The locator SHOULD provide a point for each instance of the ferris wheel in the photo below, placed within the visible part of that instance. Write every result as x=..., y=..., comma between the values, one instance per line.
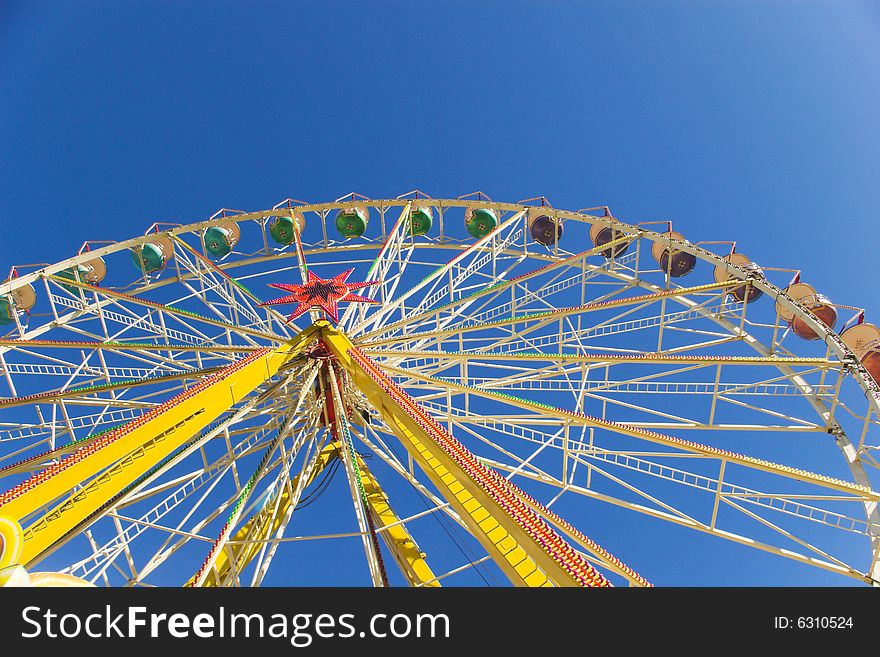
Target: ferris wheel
x=427, y=392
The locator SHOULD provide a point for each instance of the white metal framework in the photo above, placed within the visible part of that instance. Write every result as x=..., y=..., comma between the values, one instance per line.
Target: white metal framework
x=636, y=405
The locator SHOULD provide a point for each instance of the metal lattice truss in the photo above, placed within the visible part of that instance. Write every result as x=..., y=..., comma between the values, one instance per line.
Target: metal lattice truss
x=576, y=384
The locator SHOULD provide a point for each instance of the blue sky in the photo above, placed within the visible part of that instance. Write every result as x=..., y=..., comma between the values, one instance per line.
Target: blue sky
x=741, y=120
x=753, y=121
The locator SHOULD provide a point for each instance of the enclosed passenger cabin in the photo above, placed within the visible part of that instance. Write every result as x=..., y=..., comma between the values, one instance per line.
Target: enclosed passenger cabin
x=7, y=312
x=91, y=272
x=871, y=361
x=743, y=292
x=544, y=229
x=817, y=304
x=23, y=298
x=864, y=341
x=283, y=229
x=352, y=222
x=153, y=255
x=220, y=239
x=602, y=234
x=420, y=221
x=672, y=261
x=479, y=222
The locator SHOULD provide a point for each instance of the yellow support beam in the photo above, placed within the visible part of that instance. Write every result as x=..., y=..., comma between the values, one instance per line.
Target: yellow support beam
x=119, y=458
x=403, y=548
x=122, y=346
x=245, y=544
x=520, y=547
x=525, y=547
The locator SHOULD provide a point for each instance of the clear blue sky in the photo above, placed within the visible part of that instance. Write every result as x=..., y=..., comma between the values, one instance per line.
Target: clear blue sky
x=754, y=121
x=741, y=120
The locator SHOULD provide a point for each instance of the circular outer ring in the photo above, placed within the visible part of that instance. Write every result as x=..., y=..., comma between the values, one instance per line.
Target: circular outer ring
x=784, y=302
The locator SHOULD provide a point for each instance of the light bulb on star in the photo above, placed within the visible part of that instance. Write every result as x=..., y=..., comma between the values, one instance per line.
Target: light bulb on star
x=323, y=293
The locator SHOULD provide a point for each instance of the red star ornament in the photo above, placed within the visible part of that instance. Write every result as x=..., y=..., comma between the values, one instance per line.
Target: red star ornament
x=323, y=293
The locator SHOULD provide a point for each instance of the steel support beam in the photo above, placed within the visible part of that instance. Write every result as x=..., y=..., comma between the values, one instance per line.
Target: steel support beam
x=119, y=458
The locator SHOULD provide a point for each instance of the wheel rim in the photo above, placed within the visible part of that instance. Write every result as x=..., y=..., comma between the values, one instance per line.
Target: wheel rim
x=511, y=436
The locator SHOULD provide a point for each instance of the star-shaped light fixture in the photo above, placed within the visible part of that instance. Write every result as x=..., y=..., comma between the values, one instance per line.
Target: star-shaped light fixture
x=323, y=293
